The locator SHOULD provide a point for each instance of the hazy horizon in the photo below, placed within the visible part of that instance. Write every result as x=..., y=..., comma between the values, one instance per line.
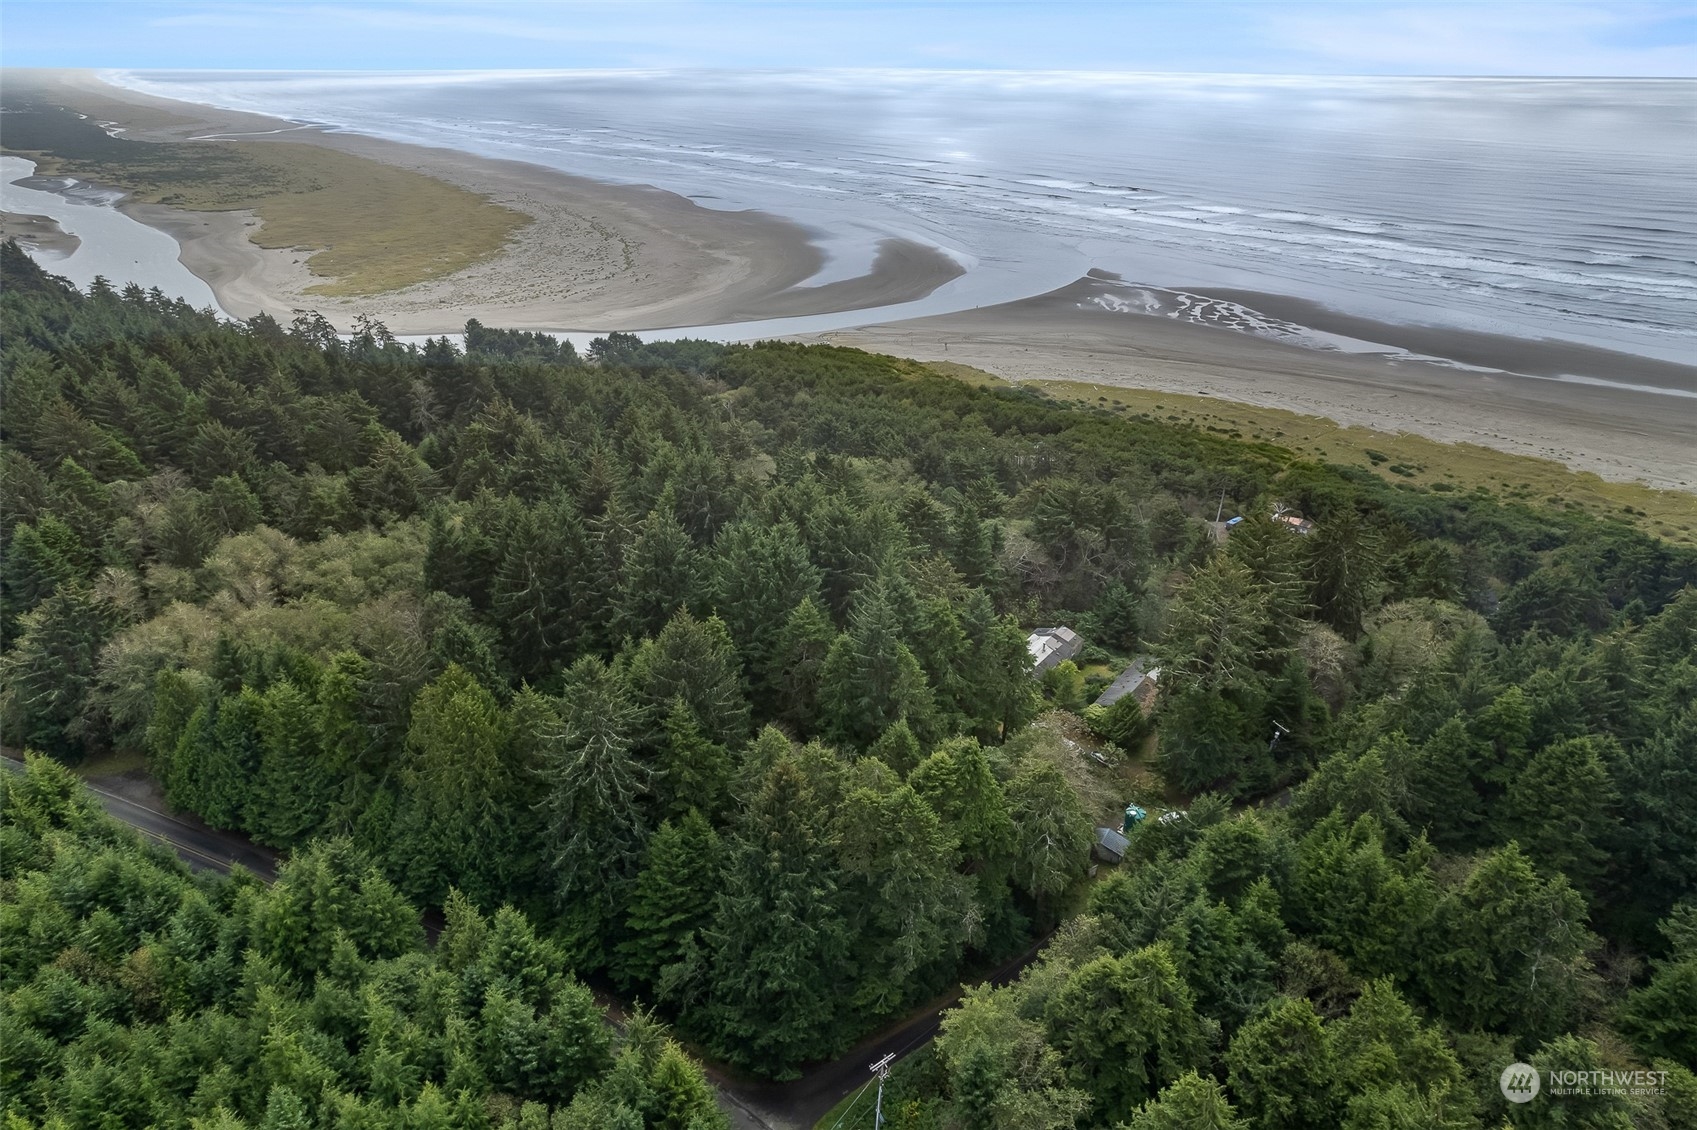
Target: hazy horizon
x=1577, y=38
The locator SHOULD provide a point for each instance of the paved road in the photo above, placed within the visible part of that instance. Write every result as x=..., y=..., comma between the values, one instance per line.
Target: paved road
x=201, y=847
x=753, y=1105
x=802, y=1102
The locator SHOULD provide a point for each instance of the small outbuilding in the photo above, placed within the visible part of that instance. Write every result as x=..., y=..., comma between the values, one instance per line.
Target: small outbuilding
x=1294, y=524
x=1110, y=846
x=1050, y=647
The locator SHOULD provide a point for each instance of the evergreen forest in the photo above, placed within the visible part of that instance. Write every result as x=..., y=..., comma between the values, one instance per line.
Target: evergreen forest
x=696, y=677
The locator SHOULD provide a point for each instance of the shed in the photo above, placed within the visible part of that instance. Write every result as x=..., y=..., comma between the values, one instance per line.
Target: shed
x=1110, y=846
x=1049, y=647
x=1294, y=524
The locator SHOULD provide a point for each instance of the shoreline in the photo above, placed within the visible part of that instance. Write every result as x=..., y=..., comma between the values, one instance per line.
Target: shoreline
x=1618, y=433
x=42, y=233
x=591, y=253
x=597, y=256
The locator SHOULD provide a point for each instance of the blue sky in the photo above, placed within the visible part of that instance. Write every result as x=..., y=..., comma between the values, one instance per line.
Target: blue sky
x=1549, y=37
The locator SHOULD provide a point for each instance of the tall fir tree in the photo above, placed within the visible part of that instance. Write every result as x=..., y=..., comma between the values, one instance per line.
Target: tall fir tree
x=779, y=942
x=670, y=905
x=595, y=790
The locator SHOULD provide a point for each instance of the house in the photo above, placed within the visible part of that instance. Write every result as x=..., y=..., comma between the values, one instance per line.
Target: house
x=1146, y=691
x=1049, y=647
x=1110, y=846
x=1294, y=524
x=1135, y=681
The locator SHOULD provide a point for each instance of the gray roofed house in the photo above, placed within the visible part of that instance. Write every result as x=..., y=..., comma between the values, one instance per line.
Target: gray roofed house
x=1134, y=680
x=1051, y=647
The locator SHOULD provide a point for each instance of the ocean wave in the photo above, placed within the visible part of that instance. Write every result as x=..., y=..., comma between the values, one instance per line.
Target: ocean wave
x=1486, y=208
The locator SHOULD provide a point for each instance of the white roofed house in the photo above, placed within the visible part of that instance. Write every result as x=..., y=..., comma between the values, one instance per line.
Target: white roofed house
x=1050, y=647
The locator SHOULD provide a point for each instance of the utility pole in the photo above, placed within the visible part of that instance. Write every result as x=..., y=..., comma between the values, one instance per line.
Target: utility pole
x=1221, y=512
x=882, y=1067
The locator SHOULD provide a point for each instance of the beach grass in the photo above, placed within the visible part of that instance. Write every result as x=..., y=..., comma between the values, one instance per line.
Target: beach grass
x=1401, y=458
x=363, y=226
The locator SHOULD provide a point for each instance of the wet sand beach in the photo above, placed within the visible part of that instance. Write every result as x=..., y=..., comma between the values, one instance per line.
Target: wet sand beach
x=588, y=255
x=1618, y=433
x=40, y=232
x=591, y=256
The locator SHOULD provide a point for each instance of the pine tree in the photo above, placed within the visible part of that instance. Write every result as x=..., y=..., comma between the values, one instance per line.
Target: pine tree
x=1504, y=951
x=293, y=787
x=535, y=595
x=1562, y=808
x=684, y=1099
x=1051, y=833
x=694, y=772
x=798, y=660
x=1443, y=795
x=594, y=791
x=759, y=573
x=1126, y=1027
x=694, y=660
x=49, y=671
x=908, y=903
x=1281, y=1069
x=778, y=939
x=669, y=906
x=230, y=769
x=1345, y=566
x=33, y=568
x=871, y=677
x=958, y=784
x=454, y=827
x=1192, y=1102
x=661, y=576
x=897, y=748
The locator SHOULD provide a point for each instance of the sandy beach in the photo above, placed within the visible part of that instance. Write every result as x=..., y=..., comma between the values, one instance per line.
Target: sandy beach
x=592, y=255
x=1618, y=434
x=39, y=232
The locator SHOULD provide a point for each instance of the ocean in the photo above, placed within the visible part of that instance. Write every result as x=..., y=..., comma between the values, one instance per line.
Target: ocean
x=1536, y=208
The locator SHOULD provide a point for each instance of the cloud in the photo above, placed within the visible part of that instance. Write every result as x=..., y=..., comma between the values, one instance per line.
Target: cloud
x=1581, y=37
x=1490, y=39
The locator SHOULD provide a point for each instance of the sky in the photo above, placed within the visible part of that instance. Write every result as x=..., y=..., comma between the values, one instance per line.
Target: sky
x=1373, y=37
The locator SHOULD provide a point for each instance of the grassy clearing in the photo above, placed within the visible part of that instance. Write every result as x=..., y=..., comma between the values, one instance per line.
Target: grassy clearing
x=978, y=378
x=366, y=227
x=1402, y=458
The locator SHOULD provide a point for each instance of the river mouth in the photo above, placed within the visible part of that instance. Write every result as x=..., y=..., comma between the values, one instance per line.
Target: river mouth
x=109, y=244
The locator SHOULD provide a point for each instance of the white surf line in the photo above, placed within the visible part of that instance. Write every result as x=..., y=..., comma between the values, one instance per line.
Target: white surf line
x=1576, y=379
x=255, y=133
x=1201, y=310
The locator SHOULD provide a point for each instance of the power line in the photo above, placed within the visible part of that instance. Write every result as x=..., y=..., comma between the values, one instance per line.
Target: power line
x=851, y=1106
x=882, y=1067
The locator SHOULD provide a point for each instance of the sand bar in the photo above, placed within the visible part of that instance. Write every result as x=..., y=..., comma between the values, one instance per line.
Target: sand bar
x=41, y=233
x=592, y=256
x=595, y=257
x=1617, y=433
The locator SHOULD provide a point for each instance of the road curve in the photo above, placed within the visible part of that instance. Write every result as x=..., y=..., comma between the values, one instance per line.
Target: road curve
x=753, y=1104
